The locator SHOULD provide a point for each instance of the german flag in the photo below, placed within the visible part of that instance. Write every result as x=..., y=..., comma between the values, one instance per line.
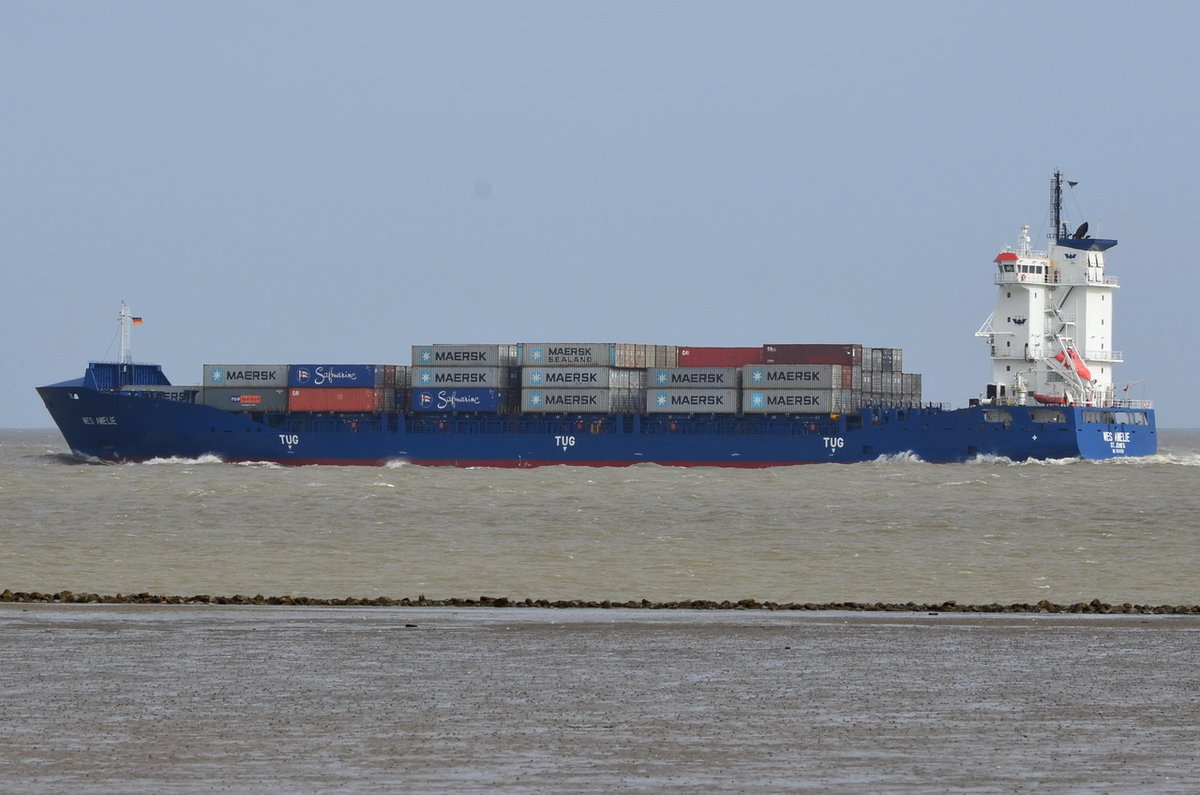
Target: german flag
x=137, y=321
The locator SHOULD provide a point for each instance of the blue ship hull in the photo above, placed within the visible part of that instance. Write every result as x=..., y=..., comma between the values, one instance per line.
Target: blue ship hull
x=108, y=425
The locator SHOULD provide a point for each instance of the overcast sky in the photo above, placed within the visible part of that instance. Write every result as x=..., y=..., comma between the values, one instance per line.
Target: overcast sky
x=277, y=182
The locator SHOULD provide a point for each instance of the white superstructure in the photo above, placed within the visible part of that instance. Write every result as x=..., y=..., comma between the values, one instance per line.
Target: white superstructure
x=1051, y=333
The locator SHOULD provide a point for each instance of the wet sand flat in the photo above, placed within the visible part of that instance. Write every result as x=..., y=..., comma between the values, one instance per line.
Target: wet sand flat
x=140, y=698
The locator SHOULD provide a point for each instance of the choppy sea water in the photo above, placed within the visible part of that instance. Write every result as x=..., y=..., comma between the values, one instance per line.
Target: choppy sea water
x=893, y=531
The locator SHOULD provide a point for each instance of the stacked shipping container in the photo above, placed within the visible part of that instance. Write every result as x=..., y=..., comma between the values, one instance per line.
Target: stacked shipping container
x=589, y=378
x=343, y=387
x=246, y=387
x=797, y=388
x=708, y=390
x=578, y=378
x=464, y=378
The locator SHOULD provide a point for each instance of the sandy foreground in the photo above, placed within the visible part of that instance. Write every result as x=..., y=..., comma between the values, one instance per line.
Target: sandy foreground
x=136, y=698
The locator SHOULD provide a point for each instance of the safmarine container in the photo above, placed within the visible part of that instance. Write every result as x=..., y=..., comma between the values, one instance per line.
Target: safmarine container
x=693, y=378
x=461, y=400
x=324, y=398
x=793, y=376
x=693, y=356
x=341, y=375
x=231, y=398
x=472, y=377
x=246, y=375
x=796, y=401
x=443, y=355
x=691, y=401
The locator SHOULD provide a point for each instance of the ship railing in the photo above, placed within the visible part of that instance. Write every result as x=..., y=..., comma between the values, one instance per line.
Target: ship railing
x=1020, y=278
x=1099, y=403
x=1132, y=404
x=1104, y=356
x=1038, y=278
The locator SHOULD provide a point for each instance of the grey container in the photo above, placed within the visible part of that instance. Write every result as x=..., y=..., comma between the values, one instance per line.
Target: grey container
x=235, y=399
x=246, y=375
x=463, y=377
x=444, y=355
x=582, y=401
x=691, y=401
x=693, y=378
x=582, y=377
x=569, y=354
x=797, y=401
x=793, y=376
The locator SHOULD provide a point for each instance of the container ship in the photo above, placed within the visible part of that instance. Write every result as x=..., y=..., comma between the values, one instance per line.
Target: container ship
x=1051, y=395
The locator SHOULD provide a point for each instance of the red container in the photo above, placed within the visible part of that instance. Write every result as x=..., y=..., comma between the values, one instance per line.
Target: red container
x=719, y=357
x=812, y=353
x=336, y=399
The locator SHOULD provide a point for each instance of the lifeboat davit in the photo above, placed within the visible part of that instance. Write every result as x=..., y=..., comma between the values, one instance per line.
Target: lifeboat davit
x=1074, y=363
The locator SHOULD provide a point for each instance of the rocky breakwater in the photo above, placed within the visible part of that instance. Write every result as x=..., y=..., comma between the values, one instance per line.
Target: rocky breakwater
x=1095, y=606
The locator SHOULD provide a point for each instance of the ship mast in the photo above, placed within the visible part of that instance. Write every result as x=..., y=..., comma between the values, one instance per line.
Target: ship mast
x=1056, y=203
x=125, y=320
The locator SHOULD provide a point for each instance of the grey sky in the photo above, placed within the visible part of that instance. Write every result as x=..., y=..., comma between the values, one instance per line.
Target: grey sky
x=299, y=181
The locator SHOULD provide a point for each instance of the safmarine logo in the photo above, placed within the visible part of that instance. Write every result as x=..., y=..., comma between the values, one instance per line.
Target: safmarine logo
x=217, y=376
x=426, y=400
x=303, y=375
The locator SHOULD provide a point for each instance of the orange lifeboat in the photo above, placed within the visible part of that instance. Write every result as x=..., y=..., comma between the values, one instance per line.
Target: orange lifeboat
x=1053, y=400
x=1074, y=363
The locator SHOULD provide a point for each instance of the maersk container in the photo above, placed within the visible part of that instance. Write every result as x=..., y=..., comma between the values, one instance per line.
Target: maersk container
x=246, y=375
x=693, y=356
x=459, y=400
x=694, y=378
x=344, y=376
x=443, y=355
x=465, y=377
x=324, y=398
x=231, y=398
x=582, y=377
x=569, y=354
x=691, y=401
x=576, y=401
x=795, y=376
x=797, y=401
x=812, y=353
